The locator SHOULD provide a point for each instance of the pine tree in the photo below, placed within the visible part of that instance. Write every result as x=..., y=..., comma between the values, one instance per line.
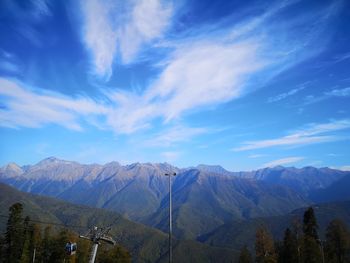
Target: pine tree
x=264, y=247
x=35, y=242
x=310, y=224
x=26, y=253
x=245, y=256
x=312, y=249
x=289, y=251
x=14, y=234
x=46, y=245
x=337, y=242
x=297, y=230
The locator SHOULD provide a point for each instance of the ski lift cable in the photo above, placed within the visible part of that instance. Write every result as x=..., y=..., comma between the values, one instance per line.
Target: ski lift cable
x=48, y=223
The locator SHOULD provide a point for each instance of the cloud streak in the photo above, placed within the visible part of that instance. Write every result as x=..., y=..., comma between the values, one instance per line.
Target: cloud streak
x=316, y=133
x=283, y=161
x=25, y=108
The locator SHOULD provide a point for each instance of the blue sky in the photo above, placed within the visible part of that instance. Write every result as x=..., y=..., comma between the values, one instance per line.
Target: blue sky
x=241, y=84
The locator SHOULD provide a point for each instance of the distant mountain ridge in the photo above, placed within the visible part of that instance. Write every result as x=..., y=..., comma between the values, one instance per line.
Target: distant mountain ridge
x=204, y=197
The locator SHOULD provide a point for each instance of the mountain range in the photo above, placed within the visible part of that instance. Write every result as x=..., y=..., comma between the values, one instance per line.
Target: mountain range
x=204, y=197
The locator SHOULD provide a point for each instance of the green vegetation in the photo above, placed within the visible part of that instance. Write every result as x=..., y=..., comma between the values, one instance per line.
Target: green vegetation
x=302, y=247
x=26, y=242
x=144, y=244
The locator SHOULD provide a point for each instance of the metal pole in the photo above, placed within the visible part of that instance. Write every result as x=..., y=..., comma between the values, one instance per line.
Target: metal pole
x=322, y=252
x=170, y=224
x=93, y=253
x=170, y=219
x=34, y=255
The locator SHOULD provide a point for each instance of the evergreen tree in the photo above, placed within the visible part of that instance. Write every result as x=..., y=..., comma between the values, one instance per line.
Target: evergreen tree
x=14, y=234
x=35, y=242
x=312, y=250
x=46, y=245
x=297, y=230
x=264, y=247
x=337, y=242
x=2, y=249
x=289, y=250
x=26, y=252
x=310, y=224
x=245, y=256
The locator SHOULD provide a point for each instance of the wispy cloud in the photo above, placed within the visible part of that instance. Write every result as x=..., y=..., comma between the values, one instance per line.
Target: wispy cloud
x=285, y=95
x=283, y=161
x=174, y=135
x=26, y=108
x=335, y=92
x=342, y=57
x=313, y=133
x=254, y=156
x=198, y=71
x=113, y=28
x=339, y=92
x=212, y=68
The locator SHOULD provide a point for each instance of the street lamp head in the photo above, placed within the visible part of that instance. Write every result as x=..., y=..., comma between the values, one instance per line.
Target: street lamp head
x=168, y=174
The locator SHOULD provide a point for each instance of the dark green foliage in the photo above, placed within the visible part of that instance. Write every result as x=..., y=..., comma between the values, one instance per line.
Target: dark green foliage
x=337, y=246
x=46, y=245
x=289, y=249
x=311, y=248
x=145, y=243
x=26, y=252
x=22, y=238
x=264, y=247
x=310, y=224
x=14, y=236
x=245, y=256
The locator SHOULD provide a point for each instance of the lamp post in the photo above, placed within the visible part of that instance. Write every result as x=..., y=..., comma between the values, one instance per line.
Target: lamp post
x=170, y=219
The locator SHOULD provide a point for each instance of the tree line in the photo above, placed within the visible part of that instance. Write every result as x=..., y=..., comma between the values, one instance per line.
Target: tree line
x=301, y=244
x=24, y=241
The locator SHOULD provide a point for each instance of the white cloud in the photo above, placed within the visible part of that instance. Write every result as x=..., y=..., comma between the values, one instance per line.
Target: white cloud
x=283, y=161
x=284, y=95
x=254, y=156
x=339, y=92
x=211, y=68
x=25, y=108
x=111, y=27
x=174, y=135
x=313, y=133
x=344, y=92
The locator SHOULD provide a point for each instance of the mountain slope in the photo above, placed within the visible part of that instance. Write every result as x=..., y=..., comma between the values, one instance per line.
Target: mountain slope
x=144, y=243
x=204, y=197
x=203, y=201
x=239, y=233
x=302, y=180
x=337, y=191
